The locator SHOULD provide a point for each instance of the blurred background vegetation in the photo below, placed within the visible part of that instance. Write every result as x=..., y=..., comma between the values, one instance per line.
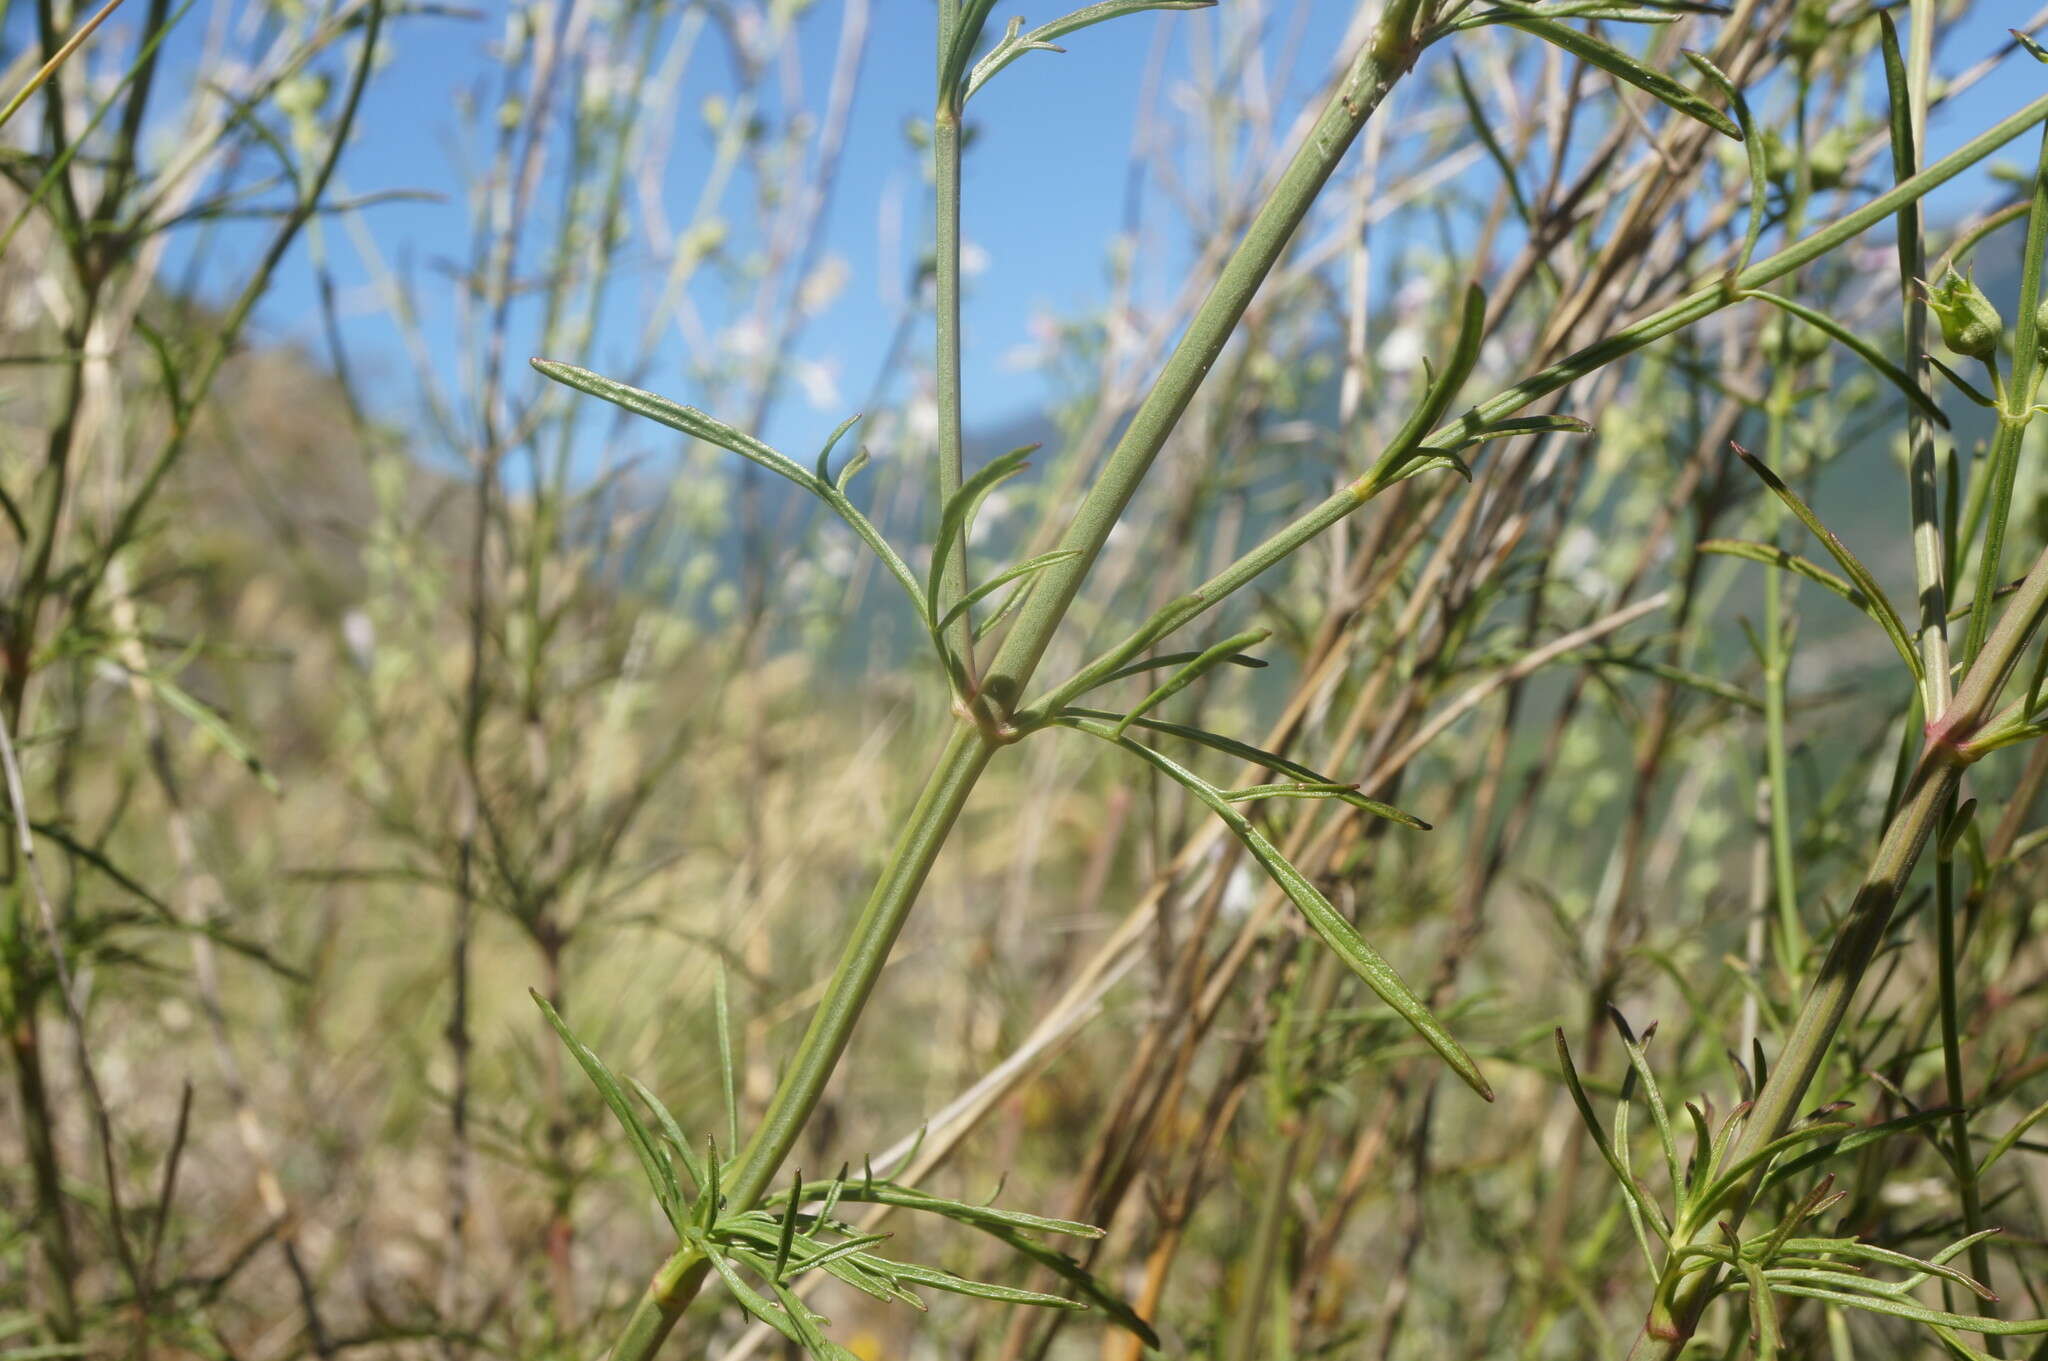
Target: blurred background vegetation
x=360, y=680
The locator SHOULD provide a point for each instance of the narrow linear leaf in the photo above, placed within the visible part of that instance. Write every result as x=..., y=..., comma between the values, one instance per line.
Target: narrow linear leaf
x=1080, y=1280
x=210, y=722
x=678, y=1143
x=1881, y=607
x=1519, y=425
x=728, y=1077
x=1763, y=1313
x=659, y=1174
x=688, y=419
x=1028, y=568
x=1962, y=384
x=823, y=468
x=1692, y=680
x=1637, y=1197
x=2012, y=1136
x=1205, y=661
x=872, y=1191
x=1343, y=793
x=698, y=425
x=1753, y=152
x=1328, y=923
x=1863, y=349
x=982, y=1290
x=1770, y=555
x=956, y=518
x=1856, y=1137
x=1176, y=659
x=1624, y=67
x=751, y=1300
x=1436, y=398
x=1882, y=1304
x=1870, y=1252
x=1230, y=746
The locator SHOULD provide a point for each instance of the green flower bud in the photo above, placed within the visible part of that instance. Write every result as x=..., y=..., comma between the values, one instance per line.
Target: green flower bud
x=1829, y=159
x=1794, y=341
x=1809, y=31
x=1970, y=325
x=1779, y=162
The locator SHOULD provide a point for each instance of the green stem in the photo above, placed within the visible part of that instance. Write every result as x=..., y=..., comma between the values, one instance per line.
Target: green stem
x=946, y=270
x=663, y=1302
x=965, y=756
x=1379, y=63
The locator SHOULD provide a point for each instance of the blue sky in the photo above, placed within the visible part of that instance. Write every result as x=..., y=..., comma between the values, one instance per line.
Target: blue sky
x=1045, y=181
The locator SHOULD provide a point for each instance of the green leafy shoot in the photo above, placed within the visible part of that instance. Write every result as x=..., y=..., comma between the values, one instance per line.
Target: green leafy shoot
x=788, y=1238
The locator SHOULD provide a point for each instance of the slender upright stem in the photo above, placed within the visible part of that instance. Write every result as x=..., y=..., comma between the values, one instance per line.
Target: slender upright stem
x=946, y=272
x=965, y=756
x=1381, y=60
